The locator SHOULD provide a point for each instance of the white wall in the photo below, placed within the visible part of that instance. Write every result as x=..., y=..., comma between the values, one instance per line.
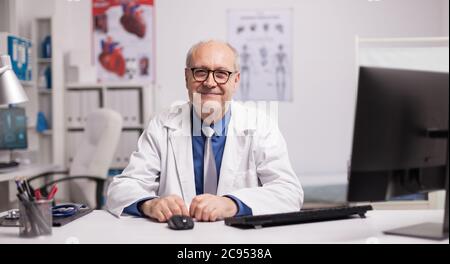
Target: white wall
x=445, y=20
x=27, y=10
x=324, y=79
x=4, y=18
x=317, y=124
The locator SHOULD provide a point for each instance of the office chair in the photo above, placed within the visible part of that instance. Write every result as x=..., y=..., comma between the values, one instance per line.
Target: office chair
x=92, y=160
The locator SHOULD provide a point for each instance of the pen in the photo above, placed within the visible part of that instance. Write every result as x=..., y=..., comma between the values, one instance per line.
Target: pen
x=37, y=194
x=28, y=190
x=23, y=191
x=52, y=192
x=19, y=187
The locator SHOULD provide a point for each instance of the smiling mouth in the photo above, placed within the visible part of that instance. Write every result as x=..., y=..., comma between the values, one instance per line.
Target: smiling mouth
x=210, y=93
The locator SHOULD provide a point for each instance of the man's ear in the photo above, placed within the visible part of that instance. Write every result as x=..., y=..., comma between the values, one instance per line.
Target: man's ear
x=186, y=72
x=237, y=80
x=238, y=77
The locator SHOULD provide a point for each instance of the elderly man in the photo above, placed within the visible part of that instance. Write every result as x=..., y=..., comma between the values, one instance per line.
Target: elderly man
x=210, y=158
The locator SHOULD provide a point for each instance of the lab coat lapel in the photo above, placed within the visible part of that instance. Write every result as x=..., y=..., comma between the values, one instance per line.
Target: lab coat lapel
x=181, y=143
x=230, y=161
x=237, y=145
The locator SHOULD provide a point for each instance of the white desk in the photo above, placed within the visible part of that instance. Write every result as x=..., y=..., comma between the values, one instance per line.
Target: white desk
x=102, y=227
x=20, y=171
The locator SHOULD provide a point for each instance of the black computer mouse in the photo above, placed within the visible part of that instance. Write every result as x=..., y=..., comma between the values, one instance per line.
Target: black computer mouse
x=180, y=222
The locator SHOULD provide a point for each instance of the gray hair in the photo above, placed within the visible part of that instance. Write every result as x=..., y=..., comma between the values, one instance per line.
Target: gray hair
x=237, y=66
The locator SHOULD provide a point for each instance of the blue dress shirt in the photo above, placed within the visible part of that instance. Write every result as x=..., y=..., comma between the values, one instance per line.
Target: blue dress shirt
x=218, y=141
x=198, y=143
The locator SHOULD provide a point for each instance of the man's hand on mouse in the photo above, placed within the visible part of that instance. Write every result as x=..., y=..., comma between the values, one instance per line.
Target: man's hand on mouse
x=164, y=208
x=208, y=207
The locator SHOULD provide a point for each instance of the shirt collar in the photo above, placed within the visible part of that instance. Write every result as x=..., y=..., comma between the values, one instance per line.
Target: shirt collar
x=220, y=127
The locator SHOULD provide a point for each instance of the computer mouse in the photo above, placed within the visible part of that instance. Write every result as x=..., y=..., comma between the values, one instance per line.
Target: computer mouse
x=180, y=222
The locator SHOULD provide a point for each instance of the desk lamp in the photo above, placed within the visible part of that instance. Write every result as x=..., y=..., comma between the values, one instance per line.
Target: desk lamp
x=11, y=91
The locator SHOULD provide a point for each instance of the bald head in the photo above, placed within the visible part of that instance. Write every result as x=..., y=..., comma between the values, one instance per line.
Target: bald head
x=217, y=44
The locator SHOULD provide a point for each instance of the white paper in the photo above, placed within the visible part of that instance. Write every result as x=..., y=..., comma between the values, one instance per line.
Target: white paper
x=263, y=39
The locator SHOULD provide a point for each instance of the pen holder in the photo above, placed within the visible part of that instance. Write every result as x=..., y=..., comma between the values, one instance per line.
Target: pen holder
x=35, y=218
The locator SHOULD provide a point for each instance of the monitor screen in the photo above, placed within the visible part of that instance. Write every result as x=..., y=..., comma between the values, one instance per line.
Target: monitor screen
x=400, y=134
x=13, y=128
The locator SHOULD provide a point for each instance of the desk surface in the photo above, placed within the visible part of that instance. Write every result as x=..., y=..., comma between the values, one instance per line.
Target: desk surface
x=102, y=227
x=26, y=171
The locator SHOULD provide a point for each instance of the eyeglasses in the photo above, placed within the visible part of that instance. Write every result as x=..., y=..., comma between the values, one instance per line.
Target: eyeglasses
x=202, y=74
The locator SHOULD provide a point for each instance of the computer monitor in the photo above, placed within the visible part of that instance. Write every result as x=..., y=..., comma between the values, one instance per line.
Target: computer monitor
x=400, y=139
x=13, y=128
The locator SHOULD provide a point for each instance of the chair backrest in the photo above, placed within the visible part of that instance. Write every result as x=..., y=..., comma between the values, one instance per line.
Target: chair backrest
x=95, y=153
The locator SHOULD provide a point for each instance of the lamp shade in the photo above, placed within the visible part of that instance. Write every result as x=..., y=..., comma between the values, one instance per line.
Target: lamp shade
x=11, y=91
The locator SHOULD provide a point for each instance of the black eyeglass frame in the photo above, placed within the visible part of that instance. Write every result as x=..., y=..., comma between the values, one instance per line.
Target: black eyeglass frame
x=213, y=72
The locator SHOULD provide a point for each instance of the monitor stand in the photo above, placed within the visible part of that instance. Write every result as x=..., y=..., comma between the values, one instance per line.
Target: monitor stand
x=434, y=231
x=426, y=230
x=10, y=164
x=7, y=165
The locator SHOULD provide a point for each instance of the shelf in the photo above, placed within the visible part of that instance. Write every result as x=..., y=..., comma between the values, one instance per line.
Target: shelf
x=105, y=85
x=75, y=129
x=44, y=60
x=140, y=127
x=46, y=133
x=124, y=86
x=82, y=86
x=44, y=91
x=26, y=83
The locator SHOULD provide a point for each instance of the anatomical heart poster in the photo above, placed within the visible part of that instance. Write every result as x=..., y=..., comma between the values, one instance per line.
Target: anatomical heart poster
x=123, y=40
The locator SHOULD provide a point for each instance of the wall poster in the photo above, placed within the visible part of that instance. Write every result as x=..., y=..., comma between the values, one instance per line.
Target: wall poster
x=123, y=40
x=264, y=41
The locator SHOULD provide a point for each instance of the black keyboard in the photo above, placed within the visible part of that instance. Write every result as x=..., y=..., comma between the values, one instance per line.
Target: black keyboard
x=6, y=165
x=303, y=216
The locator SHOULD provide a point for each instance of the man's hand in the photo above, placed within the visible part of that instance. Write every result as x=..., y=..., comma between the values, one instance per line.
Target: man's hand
x=164, y=208
x=207, y=207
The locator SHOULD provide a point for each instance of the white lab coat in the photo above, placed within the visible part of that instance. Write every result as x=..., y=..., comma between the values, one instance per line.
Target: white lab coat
x=255, y=164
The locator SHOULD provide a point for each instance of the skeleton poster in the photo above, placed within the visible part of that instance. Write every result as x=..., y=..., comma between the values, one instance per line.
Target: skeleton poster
x=263, y=39
x=123, y=40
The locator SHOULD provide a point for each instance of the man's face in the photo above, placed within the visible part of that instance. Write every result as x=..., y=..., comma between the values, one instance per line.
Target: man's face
x=212, y=56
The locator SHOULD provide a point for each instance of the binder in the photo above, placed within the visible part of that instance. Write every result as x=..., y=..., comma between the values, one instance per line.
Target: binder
x=131, y=139
x=124, y=106
x=133, y=109
x=94, y=100
x=69, y=113
x=84, y=108
x=114, y=101
x=78, y=110
x=117, y=161
x=69, y=149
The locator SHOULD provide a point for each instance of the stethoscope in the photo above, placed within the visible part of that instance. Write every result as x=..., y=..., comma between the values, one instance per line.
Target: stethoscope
x=13, y=215
x=66, y=210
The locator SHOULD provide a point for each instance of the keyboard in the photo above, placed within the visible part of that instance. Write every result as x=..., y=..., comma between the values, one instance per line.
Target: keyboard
x=7, y=165
x=303, y=216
